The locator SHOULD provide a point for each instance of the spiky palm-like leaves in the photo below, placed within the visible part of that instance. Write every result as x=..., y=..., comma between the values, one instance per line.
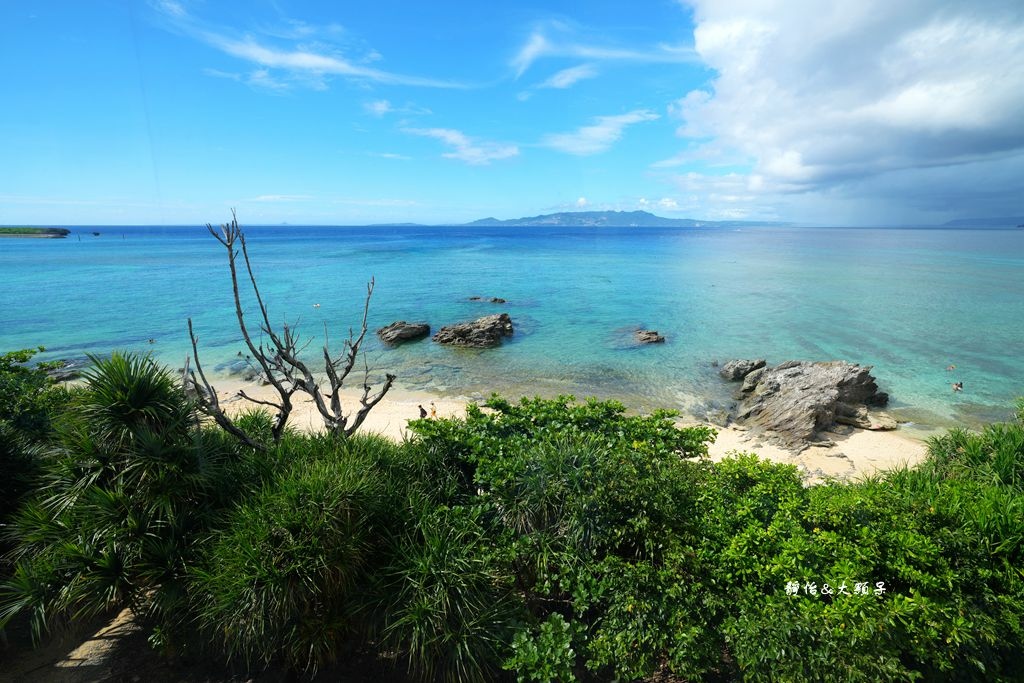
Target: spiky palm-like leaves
x=126, y=487
x=451, y=609
x=291, y=574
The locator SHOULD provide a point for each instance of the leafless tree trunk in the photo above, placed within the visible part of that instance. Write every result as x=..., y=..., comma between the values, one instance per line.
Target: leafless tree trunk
x=279, y=363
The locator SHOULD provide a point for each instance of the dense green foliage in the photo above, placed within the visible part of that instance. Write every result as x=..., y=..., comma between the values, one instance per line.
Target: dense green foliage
x=547, y=540
x=29, y=400
x=287, y=574
x=125, y=485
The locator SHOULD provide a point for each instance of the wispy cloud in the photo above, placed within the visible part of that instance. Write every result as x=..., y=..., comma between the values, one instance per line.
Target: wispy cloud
x=261, y=78
x=569, y=77
x=229, y=75
x=599, y=136
x=540, y=44
x=380, y=108
x=465, y=148
x=309, y=62
x=390, y=155
x=664, y=204
x=306, y=63
x=282, y=198
x=170, y=7
x=257, y=78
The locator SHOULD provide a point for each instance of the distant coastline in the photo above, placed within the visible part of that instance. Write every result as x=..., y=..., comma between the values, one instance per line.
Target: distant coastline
x=45, y=233
x=615, y=219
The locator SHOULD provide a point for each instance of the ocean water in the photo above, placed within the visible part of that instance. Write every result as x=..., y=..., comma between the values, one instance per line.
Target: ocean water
x=908, y=302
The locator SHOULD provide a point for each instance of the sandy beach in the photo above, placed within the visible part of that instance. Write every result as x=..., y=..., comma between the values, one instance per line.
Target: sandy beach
x=848, y=457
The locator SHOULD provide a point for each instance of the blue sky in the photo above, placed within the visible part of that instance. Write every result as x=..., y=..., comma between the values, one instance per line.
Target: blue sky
x=174, y=111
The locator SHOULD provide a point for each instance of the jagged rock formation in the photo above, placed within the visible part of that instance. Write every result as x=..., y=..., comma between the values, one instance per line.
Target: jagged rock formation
x=797, y=399
x=648, y=337
x=401, y=331
x=481, y=333
x=738, y=369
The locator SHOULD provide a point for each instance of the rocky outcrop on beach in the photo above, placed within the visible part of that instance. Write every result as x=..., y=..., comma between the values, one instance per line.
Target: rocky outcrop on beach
x=738, y=369
x=648, y=337
x=243, y=368
x=481, y=333
x=401, y=331
x=796, y=400
x=67, y=370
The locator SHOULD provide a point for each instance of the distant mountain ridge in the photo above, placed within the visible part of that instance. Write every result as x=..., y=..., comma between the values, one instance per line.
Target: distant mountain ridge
x=614, y=219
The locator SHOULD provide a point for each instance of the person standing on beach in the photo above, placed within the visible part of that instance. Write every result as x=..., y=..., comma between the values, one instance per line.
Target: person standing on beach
x=423, y=411
x=433, y=410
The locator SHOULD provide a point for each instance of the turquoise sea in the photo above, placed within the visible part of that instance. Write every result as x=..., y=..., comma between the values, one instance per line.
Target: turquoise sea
x=910, y=302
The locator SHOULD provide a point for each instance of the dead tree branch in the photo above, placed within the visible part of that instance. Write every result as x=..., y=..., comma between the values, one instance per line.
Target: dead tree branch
x=279, y=358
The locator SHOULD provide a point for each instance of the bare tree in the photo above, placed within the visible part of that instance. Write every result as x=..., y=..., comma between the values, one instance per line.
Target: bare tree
x=277, y=358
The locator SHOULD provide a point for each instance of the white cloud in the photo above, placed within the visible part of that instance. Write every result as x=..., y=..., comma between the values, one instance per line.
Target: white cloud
x=261, y=78
x=390, y=155
x=282, y=198
x=257, y=78
x=581, y=202
x=170, y=7
x=569, y=77
x=540, y=44
x=306, y=63
x=378, y=107
x=217, y=73
x=821, y=95
x=536, y=46
x=599, y=136
x=467, y=149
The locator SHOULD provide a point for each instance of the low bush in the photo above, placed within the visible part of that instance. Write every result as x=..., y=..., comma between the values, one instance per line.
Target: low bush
x=576, y=501
x=29, y=402
x=288, y=576
x=127, y=483
x=451, y=610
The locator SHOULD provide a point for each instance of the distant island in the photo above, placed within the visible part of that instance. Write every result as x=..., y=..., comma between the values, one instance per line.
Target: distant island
x=34, y=232
x=999, y=222
x=614, y=219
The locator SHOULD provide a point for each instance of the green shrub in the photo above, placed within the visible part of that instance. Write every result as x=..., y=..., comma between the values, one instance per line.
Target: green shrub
x=578, y=501
x=29, y=402
x=545, y=654
x=995, y=455
x=29, y=399
x=451, y=610
x=126, y=486
x=289, y=574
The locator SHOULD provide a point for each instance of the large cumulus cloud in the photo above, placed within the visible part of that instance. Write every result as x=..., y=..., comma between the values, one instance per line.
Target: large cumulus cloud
x=817, y=96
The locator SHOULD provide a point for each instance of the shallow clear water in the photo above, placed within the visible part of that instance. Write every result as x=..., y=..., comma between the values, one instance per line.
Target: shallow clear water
x=909, y=302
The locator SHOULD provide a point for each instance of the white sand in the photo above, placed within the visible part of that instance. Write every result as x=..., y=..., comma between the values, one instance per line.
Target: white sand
x=850, y=457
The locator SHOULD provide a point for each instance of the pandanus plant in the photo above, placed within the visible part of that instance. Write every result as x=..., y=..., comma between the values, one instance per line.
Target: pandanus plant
x=129, y=481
